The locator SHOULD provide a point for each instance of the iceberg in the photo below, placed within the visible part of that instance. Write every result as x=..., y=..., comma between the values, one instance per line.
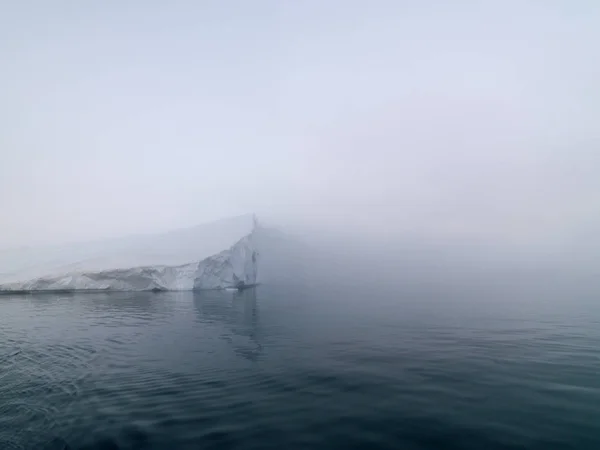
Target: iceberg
x=220, y=255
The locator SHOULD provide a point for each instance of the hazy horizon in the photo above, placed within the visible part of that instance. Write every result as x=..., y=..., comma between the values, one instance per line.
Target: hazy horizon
x=457, y=122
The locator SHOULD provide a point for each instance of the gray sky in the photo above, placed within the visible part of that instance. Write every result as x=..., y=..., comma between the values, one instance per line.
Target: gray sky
x=473, y=119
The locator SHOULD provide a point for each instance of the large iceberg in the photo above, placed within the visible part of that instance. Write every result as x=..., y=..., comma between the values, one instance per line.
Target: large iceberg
x=218, y=255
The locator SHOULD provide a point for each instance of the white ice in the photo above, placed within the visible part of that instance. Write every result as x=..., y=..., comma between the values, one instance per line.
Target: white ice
x=212, y=256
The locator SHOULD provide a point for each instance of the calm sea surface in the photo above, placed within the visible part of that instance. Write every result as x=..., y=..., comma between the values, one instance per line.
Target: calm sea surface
x=299, y=368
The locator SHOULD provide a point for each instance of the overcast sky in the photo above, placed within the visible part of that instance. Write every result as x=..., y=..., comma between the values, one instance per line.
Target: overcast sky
x=450, y=118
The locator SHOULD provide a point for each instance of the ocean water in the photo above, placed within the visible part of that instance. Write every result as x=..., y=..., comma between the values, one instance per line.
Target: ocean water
x=299, y=368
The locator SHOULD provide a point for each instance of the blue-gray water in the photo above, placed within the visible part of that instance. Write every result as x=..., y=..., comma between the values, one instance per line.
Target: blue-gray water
x=292, y=368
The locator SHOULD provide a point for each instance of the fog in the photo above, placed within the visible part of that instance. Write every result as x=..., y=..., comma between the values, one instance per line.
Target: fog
x=461, y=126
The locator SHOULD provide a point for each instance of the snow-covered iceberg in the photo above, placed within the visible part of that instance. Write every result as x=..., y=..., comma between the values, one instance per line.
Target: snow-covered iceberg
x=213, y=256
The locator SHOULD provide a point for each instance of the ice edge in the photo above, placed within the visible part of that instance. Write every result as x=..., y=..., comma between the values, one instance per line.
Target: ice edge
x=235, y=267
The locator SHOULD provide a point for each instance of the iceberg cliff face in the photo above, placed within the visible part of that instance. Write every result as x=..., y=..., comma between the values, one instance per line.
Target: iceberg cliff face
x=234, y=267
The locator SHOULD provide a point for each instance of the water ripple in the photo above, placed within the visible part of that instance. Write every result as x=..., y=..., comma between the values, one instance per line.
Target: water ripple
x=275, y=369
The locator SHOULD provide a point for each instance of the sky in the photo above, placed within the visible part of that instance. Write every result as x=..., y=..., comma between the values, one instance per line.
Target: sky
x=455, y=120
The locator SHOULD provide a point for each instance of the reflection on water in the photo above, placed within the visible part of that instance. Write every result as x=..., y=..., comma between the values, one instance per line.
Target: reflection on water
x=238, y=313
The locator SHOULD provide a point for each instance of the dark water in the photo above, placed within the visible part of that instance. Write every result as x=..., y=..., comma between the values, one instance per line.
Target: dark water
x=298, y=368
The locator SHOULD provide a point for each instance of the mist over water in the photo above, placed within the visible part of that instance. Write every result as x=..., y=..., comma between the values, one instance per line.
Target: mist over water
x=412, y=262
x=426, y=178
